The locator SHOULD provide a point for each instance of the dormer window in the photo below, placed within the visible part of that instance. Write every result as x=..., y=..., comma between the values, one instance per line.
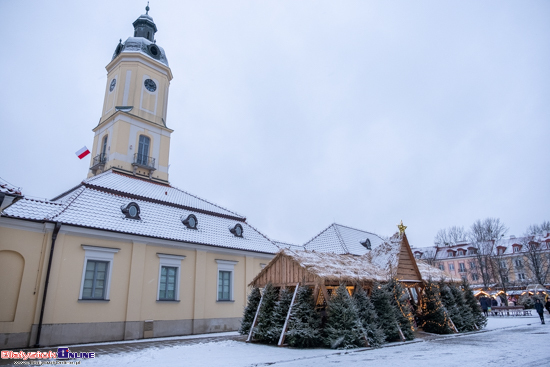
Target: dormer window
x=461, y=252
x=450, y=253
x=516, y=247
x=366, y=244
x=131, y=211
x=237, y=230
x=191, y=221
x=472, y=250
x=500, y=250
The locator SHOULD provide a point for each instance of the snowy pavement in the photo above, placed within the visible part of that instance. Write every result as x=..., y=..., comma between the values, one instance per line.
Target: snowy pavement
x=514, y=341
x=506, y=341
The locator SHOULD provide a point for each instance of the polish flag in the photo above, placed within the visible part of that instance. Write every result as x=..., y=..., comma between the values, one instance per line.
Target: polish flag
x=81, y=153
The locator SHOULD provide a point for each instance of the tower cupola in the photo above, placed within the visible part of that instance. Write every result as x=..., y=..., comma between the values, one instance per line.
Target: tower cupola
x=144, y=26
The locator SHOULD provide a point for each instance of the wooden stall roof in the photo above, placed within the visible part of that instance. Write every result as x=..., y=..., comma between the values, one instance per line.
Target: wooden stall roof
x=391, y=258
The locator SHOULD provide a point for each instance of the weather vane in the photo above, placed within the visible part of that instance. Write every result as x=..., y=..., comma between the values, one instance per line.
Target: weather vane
x=401, y=228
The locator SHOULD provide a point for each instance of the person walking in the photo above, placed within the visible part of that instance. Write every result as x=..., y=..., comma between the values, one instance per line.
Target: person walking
x=484, y=305
x=547, y=304
x=540, y=310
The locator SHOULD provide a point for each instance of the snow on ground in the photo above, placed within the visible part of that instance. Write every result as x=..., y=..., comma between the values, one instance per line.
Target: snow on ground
x=517, y=341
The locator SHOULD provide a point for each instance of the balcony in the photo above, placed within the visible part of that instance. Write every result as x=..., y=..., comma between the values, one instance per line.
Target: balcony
x=145, y=162
x=98, y=162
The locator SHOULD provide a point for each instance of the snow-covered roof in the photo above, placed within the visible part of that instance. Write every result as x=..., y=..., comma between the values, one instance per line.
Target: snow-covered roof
x=377, y=265
x=287, y=245
x=341, y=239
x=9, y=189
x=128, y=185
x=97, y=202
x=141, y=45
x=504, y=246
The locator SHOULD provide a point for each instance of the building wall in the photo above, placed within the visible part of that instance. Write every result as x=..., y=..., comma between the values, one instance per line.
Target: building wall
x=133, y=287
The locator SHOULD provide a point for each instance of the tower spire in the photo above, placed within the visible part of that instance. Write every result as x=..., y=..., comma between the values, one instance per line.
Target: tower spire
x=147, y=9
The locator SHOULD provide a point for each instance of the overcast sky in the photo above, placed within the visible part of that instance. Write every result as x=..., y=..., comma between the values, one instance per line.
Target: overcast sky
x=298, y=114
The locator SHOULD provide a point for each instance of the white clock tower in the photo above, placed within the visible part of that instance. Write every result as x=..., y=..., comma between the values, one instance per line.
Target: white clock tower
x=132, y=135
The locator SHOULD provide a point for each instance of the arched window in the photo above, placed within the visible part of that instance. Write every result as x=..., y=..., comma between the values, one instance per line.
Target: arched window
x=143, y=150
x=103, y=155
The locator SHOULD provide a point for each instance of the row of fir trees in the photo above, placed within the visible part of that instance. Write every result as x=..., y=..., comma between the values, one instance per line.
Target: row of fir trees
x=349, y=321
x=448, y=308
x=360, y=320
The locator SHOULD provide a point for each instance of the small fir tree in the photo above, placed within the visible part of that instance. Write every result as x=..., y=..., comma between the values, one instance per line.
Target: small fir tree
x=402, y=308
x=449, y=301
x=343, y=329
x=468, y=320
x=280, y=312
x=304, y=325
x=479, y=318
x=381, y=300
x=250, y=310
x=367, y=315
x=433, y=319
x=265, y=328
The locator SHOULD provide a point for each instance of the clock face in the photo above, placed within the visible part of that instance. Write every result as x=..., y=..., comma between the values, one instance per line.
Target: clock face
x=192, y=222
x=238, y=230
x=150, y=85
x=112, y=86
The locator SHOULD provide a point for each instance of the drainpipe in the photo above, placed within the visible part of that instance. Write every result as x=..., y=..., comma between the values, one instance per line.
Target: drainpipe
x=54, y=237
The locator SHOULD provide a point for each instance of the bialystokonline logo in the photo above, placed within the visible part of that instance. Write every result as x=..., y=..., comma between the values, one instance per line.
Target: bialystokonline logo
x=62, y=356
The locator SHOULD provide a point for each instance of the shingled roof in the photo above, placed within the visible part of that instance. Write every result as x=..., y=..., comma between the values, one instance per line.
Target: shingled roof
x=340, y=239
x=389, y=258
x=96, y=203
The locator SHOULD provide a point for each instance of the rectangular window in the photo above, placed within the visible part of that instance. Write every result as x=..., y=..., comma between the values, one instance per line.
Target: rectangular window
x=461, y=267
x=521, y=276
x=95, y=279
x=168, y=283
x=441, y=267
x=519, y=263
x=226, y=272
x=224, y=285
x=471, y=251
x=516, y=248
x=96, y=274
x=451, y=266
x=502, y=264
x=169, y=275
x=474, y=276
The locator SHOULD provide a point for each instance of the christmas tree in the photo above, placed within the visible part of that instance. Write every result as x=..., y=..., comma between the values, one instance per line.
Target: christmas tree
x=381, y=300
x=434, y=318
x=250, y=310
x=468, y=320
x=449, y=301
x=479, y=318
x=343, y=329
x=280, y=312
x=265, y=330
x=304, y=326
x=402, y=308
x=368, y=317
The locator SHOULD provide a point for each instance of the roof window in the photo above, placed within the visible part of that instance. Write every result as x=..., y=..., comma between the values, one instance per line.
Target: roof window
x=190, y=222
x=366, y=244
x=237, y=230
x=131, y=211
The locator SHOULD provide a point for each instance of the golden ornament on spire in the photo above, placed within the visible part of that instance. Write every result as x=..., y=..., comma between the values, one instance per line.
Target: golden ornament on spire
x=401, y=228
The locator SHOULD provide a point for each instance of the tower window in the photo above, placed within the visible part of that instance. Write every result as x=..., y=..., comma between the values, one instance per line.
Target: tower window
x=143, y=150
x=104, y=146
